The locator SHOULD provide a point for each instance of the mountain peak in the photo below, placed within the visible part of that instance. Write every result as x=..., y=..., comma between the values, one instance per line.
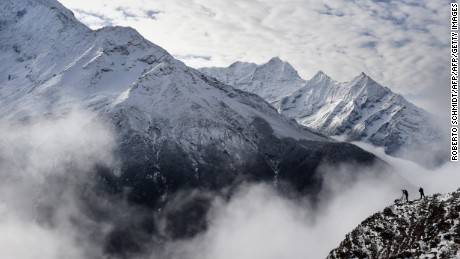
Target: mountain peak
x=320, y=76
x=363, y=78
x=279, y=68
x=241, y=64
x=53, y=17
x=276, y=60
x=117, y=33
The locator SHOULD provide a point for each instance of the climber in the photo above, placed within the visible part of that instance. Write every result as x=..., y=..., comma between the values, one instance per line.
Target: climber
x=422, y=194
x=406, y=195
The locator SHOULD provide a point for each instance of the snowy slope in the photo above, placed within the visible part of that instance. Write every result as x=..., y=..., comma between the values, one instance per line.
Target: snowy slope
x=359, y=110
x=175, y=126
x=363, y=110
x=272, y=80
x=428, y=228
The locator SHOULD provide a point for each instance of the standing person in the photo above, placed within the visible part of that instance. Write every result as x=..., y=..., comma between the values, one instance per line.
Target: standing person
x=422, y=194
x=406, y=195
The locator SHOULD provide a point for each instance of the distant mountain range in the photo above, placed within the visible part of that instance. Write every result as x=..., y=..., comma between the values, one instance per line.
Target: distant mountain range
x=359, y=110
x=428, y=228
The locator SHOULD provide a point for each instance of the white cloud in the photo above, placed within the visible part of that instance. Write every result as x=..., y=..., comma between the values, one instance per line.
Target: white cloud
x=402, y=44
x=39, y=216
x=442, y=179
x=256, y=222
x=259, y=223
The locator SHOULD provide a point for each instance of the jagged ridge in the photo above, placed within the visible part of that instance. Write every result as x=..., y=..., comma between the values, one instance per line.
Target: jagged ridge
x=427, y=228
x=359, y=110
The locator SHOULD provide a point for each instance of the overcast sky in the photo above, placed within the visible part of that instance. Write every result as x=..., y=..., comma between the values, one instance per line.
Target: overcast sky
x=402, y=44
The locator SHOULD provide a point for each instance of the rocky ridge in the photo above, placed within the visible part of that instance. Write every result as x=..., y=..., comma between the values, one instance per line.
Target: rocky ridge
x=426, y=228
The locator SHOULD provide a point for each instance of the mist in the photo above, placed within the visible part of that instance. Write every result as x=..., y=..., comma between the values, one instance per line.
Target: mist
x=259, y=222
x=44, y=164
x=37, y=210
x=441, y=179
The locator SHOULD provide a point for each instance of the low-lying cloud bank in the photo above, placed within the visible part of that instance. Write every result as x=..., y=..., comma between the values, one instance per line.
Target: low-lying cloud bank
x=37, y=215
x=442, y=179
x=46, y=166
x=259, y=223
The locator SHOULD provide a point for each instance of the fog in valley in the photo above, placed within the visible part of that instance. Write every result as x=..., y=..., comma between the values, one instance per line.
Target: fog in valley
x=47, y=172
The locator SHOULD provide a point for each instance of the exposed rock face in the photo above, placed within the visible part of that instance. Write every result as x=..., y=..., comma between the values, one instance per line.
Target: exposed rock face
x=427, y=228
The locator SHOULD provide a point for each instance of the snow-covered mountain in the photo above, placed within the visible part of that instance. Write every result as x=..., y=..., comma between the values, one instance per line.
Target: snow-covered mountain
x=427, y=228
x=177, y=130
x=272, y=81
x=175, y=126
x=359, y=110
